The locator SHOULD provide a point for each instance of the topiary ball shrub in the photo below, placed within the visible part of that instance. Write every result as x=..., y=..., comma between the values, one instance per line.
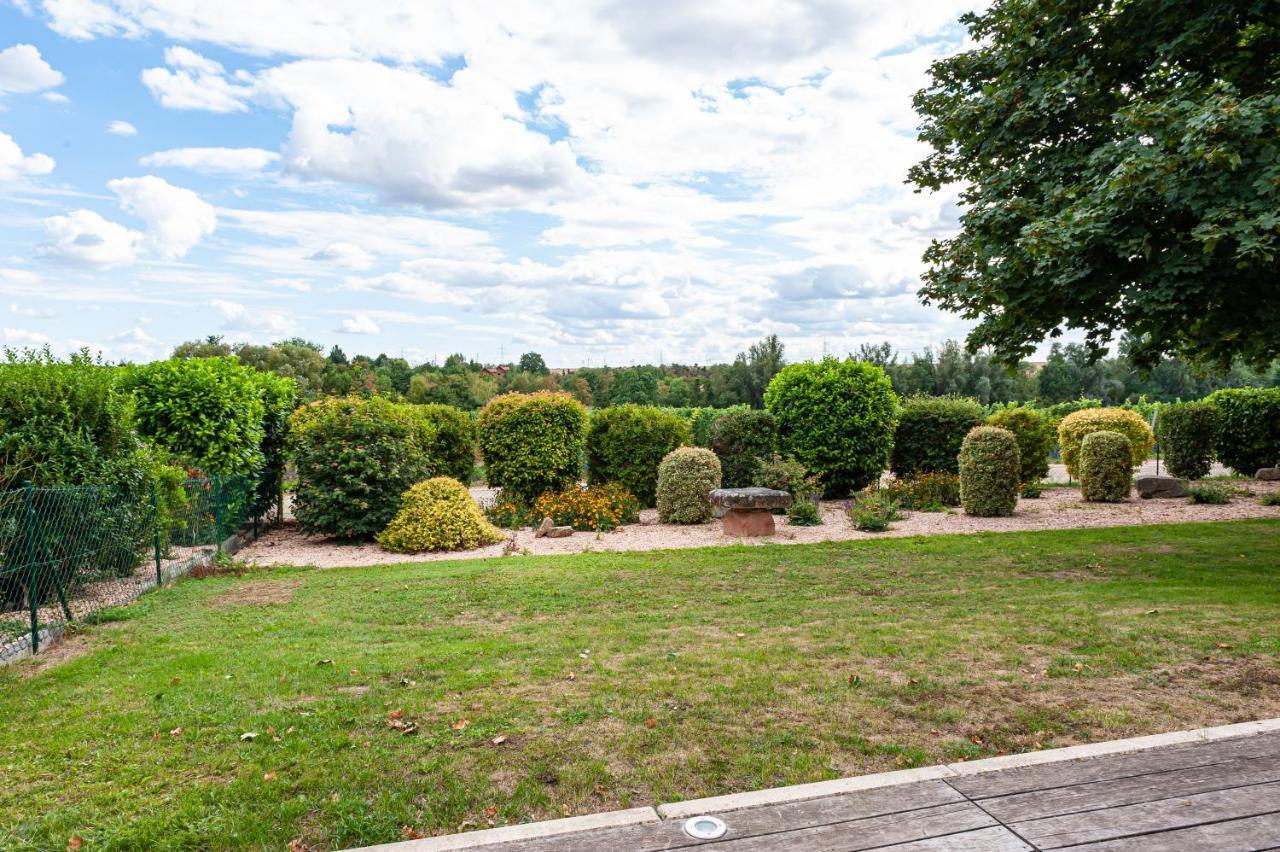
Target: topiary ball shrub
x=1187, y=432
x=626, y=443
x=355, y=458
x=836, y=418
x=532, y=443
x=1035, y=436
x=929, y=433
x=1249, y=428
x=685, y=479
x=454, y=449
x=1106, y=467
x=1075, y=426
x=743, y=440
x=438, y=514
x=990, y=471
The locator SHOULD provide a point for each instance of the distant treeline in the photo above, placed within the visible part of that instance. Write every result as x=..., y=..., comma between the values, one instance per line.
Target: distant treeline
x=1067, y=374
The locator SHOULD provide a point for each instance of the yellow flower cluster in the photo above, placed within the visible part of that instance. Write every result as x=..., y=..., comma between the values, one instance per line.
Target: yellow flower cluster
x=601, y=507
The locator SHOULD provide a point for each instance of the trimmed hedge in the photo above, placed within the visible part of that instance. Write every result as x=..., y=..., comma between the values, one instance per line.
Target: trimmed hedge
x=1035, y=436
x=1249, y=435
x=532, y=443
x=990, y=471
x=355, y=458
x=1106, y=474
x=1075, y=426
x=454, y=449
x=929, y=433
x=626, y=443
x=685, y=479
x=836, y=418
x=279, y=399
x=438, y=514
x=1187, y=432
x=742, y=440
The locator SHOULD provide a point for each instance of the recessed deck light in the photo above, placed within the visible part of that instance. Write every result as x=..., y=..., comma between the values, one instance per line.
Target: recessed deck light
x=705, y=827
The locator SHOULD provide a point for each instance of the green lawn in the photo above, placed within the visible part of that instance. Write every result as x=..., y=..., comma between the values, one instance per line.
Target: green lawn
x=619, y=680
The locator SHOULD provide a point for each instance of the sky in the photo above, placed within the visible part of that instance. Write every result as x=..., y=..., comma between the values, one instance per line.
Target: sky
x=604, y=183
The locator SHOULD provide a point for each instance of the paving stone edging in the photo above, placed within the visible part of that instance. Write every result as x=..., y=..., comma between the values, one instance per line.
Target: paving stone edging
x=799, y=792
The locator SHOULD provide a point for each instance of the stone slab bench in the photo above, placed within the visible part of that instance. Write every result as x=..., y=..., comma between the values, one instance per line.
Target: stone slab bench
x=749, y=511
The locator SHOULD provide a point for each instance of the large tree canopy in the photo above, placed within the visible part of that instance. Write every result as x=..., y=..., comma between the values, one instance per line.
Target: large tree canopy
x=1119, y=168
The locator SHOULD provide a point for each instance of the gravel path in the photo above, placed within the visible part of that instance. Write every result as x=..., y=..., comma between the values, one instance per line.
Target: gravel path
x=1059, y=508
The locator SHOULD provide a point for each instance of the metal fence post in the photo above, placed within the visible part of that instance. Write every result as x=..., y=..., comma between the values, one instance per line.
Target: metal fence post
x=155, y=530
x=30, y=530
x=217, y=511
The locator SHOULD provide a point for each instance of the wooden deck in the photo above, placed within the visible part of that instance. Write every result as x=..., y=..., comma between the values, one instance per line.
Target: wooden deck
x=1221, y=794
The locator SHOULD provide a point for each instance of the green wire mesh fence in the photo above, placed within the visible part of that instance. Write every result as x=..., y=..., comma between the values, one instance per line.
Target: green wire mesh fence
x=68, y=553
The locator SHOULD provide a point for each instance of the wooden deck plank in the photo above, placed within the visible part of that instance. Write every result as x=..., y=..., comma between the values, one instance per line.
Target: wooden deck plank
x=1251, y=834
x=1149, y=817
x=994, y=839
x=1047, y=776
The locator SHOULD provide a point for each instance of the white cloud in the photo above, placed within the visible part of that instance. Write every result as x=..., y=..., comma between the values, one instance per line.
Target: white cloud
x=237, y=317
x=358, y=324
x=42, y=313
x=25, y=337
x=14, y=164
x=55, y=97
x=132, y=335
x=344, y=255
x=23, y=70
x=195, y=82
x=214, y=160
x=121, y=128
x=84, y=237
x=176, y=218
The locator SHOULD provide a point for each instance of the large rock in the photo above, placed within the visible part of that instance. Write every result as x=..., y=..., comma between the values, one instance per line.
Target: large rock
x=1151, y=485
x=1268, y=474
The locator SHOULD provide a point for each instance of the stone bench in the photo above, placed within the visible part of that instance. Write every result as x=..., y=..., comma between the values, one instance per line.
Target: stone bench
x=749, y=510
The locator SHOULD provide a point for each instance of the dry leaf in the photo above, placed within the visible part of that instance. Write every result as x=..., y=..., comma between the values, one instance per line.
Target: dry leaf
x=499, y=740
x=248, y=736
x=398, y=713
x=570, y=676
x=74, y=843
x=650, y=722
x=460, y=724
x=174, y=681
x=269, y=776
x=491, y=811
x=297, y=844
x=324, y=663
x=410, y=833
x=176, y=732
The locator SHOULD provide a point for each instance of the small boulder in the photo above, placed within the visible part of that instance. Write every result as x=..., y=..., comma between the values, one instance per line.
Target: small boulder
x=1151, y=485
x=559, y=532
x=544, y=528
x=1268, y=474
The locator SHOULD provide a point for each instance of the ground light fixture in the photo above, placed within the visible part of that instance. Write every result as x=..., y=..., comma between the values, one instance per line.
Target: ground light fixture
x=705, y=827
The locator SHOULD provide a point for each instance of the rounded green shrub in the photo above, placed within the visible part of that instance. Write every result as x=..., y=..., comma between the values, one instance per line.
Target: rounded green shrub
x=626, y=443
x=703, y=420
x=990, y=471
x=685, y=479
x=1075, y=426
x=836, y=418
x=1035, y=437
x=743, y=440
x=355, y=458
x=438, y=514
x=1187, y=432
x=929, y=433
x=1106, y=467
x=532, y=443
x=1249, y=428
x=454, y=449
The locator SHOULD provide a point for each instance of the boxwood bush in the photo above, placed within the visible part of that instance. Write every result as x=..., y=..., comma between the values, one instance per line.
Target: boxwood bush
x=1187, y=432
x=626, y=443
x=454, y=449
x=1035, y=437
x=743, y=440
x=929, y=433
x=990, y=470
x=1249, y=428
x=685, y=479
x=355, y=458
x=438, y=514
x=532, y=443
x=1075, y=426
x=1106, y=468
x=836, y=418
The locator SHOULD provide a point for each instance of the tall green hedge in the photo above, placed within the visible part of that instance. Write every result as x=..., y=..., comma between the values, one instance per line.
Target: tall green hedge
x=626, y=443
x=454, y=448
x=929, y=433
x=1249, y=433
x=743, y=440
x=532, y=443
x=1035, y=435
x=1187, y=432
x=836, y=418
x=990, y=471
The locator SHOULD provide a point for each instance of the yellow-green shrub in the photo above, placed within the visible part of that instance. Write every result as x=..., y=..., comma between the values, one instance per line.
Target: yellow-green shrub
x=1075, y=426
x=990, y=470
x=685, y=479
x=1105, y=472
x=438, y=514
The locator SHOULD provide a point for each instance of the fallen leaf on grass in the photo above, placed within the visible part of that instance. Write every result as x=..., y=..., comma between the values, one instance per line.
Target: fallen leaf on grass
x=176, y=732
x=269, y=777
x=408, y=832
x=324, y=662
x=570, y=676
x=398, y=713
x=248, y=736
x=499, y=740
x=297, y=844
x=74, y=843
x=174, y=681
x=1224, y=646
x=650, y=722
x=461, y=724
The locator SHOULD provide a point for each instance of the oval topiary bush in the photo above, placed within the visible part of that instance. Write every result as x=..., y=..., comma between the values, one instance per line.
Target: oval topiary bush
x=836, y=418
x=990, y=471
x=1035, y=439
x=929, y=433
x=685, y=479
x=355, y=458
x=1075, y=426
x=454, y=449
x=742, y=440
x=1106, y=469
x=626, y=443
x=1249, y=428
x=438, y=514
x=1187, y=432
x=532, y=443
